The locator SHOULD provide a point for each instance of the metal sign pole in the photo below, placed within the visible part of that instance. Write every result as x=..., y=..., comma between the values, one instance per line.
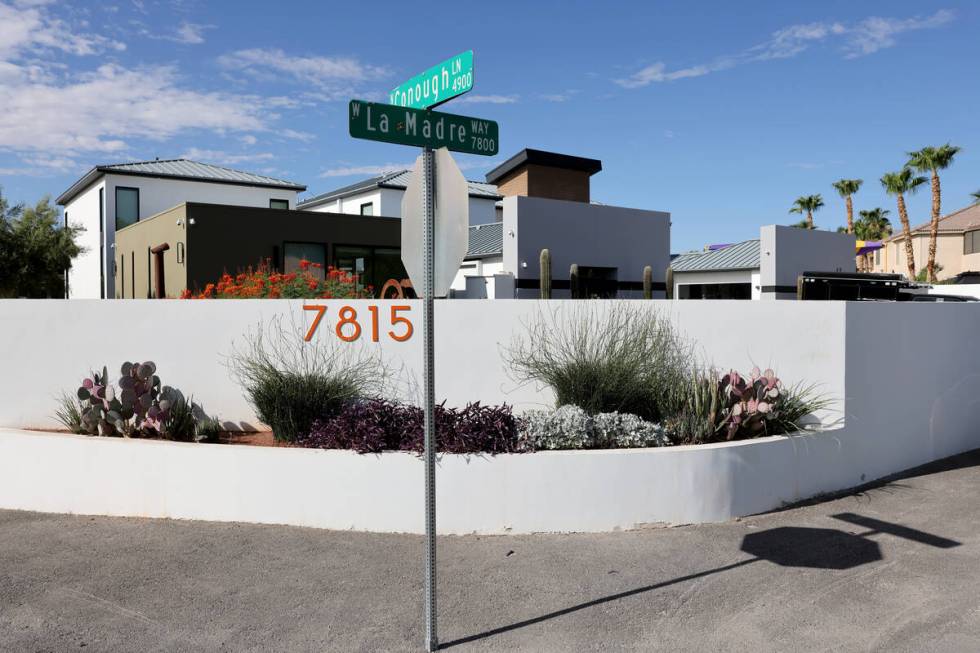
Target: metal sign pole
x=428, y=290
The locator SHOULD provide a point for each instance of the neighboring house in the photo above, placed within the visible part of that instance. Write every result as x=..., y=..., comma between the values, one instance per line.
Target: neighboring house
x=763, y=268
x=382, y=195
x=193, y=244
x=547, y=206
x=111, y=197
x=957, y=246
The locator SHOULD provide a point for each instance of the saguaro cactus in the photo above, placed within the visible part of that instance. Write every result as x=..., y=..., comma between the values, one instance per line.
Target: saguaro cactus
x=647, y=282
x=545, y=263
x=573, y=282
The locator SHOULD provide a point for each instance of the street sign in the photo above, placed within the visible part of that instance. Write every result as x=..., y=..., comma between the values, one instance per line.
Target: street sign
x=390, y=124
x=442, y=82
x=451, y=222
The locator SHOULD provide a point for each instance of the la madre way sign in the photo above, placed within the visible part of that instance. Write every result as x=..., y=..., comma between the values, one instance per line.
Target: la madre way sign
x=438, y=84
x=390, y=124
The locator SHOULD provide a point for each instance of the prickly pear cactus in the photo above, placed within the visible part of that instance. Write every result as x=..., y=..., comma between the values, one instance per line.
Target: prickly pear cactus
x=139, y=406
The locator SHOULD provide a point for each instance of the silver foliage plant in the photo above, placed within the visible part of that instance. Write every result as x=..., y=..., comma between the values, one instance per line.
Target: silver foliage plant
x=570, y=427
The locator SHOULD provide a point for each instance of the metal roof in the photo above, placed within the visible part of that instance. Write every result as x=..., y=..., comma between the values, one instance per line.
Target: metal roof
x=399, y=180
x=486, y=240
x=178, y=169
x=740, y=256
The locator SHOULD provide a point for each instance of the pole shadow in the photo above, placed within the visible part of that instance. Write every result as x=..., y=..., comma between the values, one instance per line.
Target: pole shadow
x=786, y=546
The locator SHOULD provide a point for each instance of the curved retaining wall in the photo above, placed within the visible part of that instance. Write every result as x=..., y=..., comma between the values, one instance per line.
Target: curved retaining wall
x=561, y=491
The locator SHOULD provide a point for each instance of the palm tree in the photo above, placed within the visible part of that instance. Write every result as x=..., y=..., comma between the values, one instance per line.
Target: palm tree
x=807, y=204
x=846, y=188
x=900, y=184
x=872, y=225
x=932, y=160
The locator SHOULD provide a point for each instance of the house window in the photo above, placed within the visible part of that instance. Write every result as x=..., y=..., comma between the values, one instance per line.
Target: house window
x=372, y=265
x=127, y=206
x=293, y=253
x=878, y=256
x=971, y=242
x=367, y=208
x=279, y=204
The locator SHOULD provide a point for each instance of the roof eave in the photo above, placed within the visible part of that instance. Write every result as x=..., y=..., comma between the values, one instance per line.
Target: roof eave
x=100, y=171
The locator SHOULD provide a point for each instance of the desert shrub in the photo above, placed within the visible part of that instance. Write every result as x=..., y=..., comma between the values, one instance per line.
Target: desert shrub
x=570, y=427
x=729, y=406
x=629, y=359
x=69, y=413
x=376, y=425
x=207, y=429
x=180, y=423
x=291, y=383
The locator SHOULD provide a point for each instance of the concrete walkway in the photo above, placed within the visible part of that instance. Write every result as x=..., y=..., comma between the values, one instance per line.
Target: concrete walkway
x=893, y=568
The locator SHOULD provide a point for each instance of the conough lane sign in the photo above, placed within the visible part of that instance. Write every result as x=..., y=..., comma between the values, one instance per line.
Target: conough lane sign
x=436, y=85
x=404, y=126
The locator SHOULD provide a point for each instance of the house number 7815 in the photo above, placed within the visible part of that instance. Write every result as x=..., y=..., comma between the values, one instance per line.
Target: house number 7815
x=349, y=329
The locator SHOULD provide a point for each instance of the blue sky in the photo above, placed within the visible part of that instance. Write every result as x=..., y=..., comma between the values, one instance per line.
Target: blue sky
x=719, y=112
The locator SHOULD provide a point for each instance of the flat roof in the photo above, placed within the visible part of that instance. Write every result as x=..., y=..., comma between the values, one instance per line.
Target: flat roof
x=529, y=156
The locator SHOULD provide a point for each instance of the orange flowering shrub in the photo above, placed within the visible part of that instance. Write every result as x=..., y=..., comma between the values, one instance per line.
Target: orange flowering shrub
x=265, y=283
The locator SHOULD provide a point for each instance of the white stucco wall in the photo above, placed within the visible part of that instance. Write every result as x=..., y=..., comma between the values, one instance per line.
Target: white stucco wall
x=586, y=234
x=388, y=203
x=156, y=195
x=787, y=252
x=190, y=340
x=84, y=277
x=861, y=353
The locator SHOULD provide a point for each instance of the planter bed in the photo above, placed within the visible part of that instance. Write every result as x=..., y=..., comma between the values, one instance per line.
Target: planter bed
x=549, y=491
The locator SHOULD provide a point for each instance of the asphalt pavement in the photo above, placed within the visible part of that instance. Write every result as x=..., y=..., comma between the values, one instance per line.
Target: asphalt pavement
x=894, y=567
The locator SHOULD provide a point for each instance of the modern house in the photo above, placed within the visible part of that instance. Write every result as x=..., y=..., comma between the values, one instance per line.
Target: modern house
x=763, y=268
x=193, y=244
x=547, y=205
x=382, y=195
x=111, y=197
x=957, y=246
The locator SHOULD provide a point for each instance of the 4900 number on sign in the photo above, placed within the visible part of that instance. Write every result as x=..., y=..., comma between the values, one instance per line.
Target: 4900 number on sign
x=349, y=328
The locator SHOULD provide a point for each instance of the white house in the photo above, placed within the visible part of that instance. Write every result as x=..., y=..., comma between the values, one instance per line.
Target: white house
x=382, y=195
x=535, y=200
x=763, y=268
x=110, y=197
x=547, y=205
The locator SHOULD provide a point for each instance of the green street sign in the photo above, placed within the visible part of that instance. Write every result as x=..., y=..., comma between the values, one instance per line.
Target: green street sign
x=436, y=85
x=390, y=124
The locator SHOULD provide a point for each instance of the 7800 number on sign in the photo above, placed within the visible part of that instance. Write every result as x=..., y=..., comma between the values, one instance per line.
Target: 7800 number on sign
x=348, y=327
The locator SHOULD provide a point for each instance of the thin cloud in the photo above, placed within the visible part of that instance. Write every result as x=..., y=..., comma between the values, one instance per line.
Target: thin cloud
x=366, y=171
x=334, y=77
x=27, y=27
x=856, y=40
x=487, y=99
x=224, y=158
x=186, y=34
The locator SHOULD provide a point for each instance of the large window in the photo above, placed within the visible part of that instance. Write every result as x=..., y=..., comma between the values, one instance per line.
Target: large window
x=971, y=242
x=367, y=208
x=278, y=204
x=293, y=253
x=127, y=206
x=372, y=265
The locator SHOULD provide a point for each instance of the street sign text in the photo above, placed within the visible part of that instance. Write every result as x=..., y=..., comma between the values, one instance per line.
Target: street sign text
x=436, y=85
x=390, y=124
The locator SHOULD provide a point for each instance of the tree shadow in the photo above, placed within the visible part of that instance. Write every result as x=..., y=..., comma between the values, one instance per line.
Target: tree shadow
x=786, y=546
